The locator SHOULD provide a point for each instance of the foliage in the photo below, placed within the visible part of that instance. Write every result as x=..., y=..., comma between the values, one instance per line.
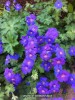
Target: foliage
x=13, y=27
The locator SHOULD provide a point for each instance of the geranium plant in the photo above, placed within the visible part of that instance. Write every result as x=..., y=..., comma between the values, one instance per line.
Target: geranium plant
x=37, y=48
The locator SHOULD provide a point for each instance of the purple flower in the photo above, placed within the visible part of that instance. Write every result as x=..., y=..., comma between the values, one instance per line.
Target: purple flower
x=24, y=40
x=10, y=57
x=32, y=42
x=11, y=77
x=48, y=47
x=15, y=56
x=31, y=50
x=7, y=4
x=31, y=55
x=57, y=69
x=42, y=86
x=38, y=84
x=7, y=8
x=16, y=79
x=72, y=51
x=7, y=60
x=14, y=1
x=18, y=7
x=60, y=52
x=8, y=73
x=43, y=81
x=28, y=83
x=42, y=91
x=30, y=20
x=58, y=61
x=39, y=49
x=73, y=98
x=58, y=4
x=28, y=62
x=52, y=33
x=54, y=86
x=26, y=69
x=45, y=55
x=1, y=48
x=57, y=46
x=46, y=65
x=71, y=79
x=63, y=76
x=33, y=28
x=40, y=39
x=31, y=33
x=49, y=40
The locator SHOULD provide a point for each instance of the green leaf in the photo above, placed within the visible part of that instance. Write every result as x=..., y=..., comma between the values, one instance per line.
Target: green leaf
x=1, y=95
x=9, y=88
x=40, y=69
x=19, y=49
x=70, y=7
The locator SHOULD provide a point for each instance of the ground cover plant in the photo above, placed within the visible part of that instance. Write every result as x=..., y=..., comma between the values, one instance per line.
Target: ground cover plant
x=37, y=49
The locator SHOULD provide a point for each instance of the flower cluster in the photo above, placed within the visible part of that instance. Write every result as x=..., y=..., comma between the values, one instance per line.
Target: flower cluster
x=44, y=47
x=30, y=44
x=17, y=6
x=52, y=56
x=45, y=87
x=9, y=75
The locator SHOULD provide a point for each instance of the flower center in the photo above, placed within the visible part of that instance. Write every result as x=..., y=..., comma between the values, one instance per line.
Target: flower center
x=71, y=79
x=43, y=91
x=9, y=74
x=62, y=75
x=61, y=53
x=58, y=62
x=45, y=56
